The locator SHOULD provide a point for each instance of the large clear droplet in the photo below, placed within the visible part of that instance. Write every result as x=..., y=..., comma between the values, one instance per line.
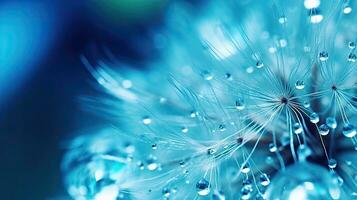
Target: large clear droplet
x=324, y=129
x=299, y=85
x=264, y=180
x=323, y=55
x=203, y=187
x=314, y=118
x=240, y=104
x=303, y=181
x=297, y=128
x=331, y=122
x=349, y=130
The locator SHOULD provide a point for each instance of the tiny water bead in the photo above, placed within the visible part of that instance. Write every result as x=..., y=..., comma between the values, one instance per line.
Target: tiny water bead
x=352, y=57
x=283, y=19
x=259, y=64
x=331, y=122
x=154, y=146
x=323, y=56
x=315, y=16
x=184, y=129
x=146, y=120
x=303, y=181
x=264, y=180
x=352, y=45
x=240, y=104
x=314, y=118
x=245, y=169
x=222, y=127
x=297, y=128
x=299, y=85
x=152, y=163
x=207, y=75
x=349, y=130
x=332, y=163
x=203, y=187
x=272, y=147
x=324, y=129
x=166, y=192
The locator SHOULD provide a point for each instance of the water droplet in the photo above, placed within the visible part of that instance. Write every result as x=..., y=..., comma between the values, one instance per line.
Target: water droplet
x=299, y=85
x=146, y=120
x=184, y=129
x=352, y=57
x=297, y=128
x=324, y=129
x=331, y=122
x=315, y=16
x=306, y=104
x=154, y=146
x=309, y=4
x=283, y=19
x=166, y=192
x=332, y=163
x=222, y=127
x=249, y=70
x=314, y=118
x=228, y=76
x=246, y=193
x=211, y=151
x=349, y=130
x=264, y=180
x=182, y=164
x=151, y=163
x=193, y=114
x=240, y=104
x=259, y=64
x=203, y=187
x=283, y=43
x=303, y=180
x=140, y=165
x=272, y=147
x=347, y=9
x=247, y=185
x=207, y=75
x=245, y=169
x=352, y=45
x=323, y=56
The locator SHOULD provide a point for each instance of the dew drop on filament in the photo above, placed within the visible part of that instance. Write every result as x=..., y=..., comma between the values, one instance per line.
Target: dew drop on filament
x=349, y=130
x=202, y=187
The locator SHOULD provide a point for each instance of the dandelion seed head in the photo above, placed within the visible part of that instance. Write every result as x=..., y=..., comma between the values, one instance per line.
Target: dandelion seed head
x=244, y=105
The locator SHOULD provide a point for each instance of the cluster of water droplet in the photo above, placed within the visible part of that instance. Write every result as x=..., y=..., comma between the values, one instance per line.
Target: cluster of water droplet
x=252, y=100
